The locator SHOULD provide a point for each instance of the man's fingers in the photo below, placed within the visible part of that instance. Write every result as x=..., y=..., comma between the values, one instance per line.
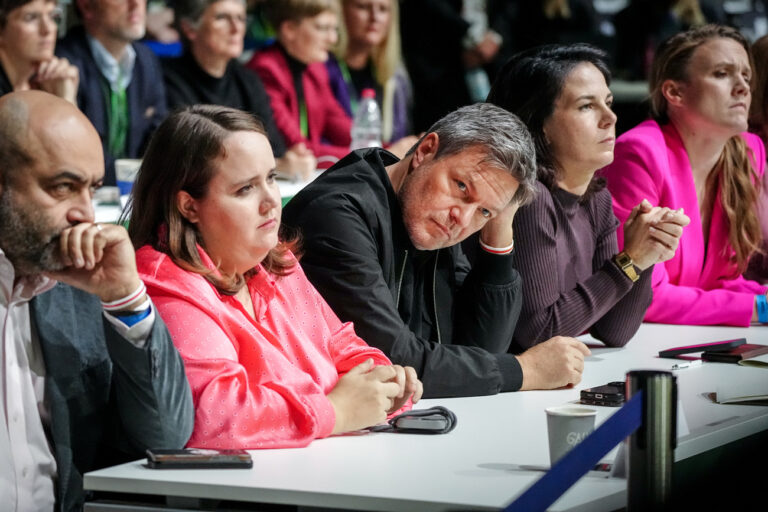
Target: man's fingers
x=72, y=246
x=87, y=242
x=581, y=347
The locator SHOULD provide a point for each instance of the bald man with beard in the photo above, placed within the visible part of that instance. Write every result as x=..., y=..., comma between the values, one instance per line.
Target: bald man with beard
x=89, y=374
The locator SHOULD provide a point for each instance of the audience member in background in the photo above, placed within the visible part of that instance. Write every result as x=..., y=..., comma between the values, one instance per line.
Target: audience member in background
x=368, y=56
x=574, y=277
x=695, y=155
x=209, y=72
x=434, y=34
x=121, y=83
x=758, y=124
x=89, y=375
x=382, y=240
x=269, y=363
x=162, y=36
x=294, y=75
x=554, y=21
x=258, y=33
x=643, y=24
x=27, y=40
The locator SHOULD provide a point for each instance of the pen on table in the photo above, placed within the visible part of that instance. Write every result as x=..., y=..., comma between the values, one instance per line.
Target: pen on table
x=687, y=364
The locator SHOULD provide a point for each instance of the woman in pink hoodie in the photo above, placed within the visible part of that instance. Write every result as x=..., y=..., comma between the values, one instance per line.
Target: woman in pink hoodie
x=696, y=155
x=269, y=363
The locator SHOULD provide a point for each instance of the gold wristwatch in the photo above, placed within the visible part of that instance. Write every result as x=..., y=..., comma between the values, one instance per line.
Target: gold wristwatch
x=624, y=262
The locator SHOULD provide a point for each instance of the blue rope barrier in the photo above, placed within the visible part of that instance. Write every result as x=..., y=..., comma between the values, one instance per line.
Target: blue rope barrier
x=582, y=458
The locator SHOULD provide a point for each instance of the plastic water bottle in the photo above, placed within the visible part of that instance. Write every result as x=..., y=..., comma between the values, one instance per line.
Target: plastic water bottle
x=366, y=125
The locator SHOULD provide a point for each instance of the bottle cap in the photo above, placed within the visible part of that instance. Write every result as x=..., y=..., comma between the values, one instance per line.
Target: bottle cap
x=368, y=93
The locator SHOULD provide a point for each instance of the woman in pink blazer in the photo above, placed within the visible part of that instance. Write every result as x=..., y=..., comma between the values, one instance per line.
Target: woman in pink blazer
x=294, y=76
x=695, y=156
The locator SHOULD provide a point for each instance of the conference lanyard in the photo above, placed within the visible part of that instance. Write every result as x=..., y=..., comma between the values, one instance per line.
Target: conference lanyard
x=303, y=121
x=352, y=90
x=117, y=119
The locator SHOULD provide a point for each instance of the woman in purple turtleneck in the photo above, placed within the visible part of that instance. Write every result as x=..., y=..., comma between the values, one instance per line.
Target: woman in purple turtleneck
x=575, y=279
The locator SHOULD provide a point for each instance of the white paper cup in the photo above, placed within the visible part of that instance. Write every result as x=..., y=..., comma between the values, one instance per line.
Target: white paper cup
x=125, y=172
x=567, y=426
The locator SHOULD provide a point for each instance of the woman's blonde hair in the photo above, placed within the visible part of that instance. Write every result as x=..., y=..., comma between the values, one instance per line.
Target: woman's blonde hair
x=689, y=11
x=734, y=171
x=387, y=58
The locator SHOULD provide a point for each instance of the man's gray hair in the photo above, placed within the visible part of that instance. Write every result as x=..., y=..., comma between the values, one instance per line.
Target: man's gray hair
x=508, y=144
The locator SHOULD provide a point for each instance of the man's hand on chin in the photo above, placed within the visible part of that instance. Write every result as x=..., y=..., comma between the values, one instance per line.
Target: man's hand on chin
x=99, y=259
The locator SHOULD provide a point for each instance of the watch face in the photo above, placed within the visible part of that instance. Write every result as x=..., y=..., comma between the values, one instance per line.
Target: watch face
x=623, y=259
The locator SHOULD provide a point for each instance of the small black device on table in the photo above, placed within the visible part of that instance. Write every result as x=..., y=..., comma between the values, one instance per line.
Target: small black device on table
x=198, y=458
x=611, y=395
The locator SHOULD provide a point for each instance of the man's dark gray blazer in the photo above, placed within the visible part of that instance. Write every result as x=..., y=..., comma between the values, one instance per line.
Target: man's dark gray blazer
x=108, y=400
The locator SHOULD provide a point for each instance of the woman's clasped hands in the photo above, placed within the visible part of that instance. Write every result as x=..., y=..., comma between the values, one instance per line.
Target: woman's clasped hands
x=365, y=395
x=652, y=233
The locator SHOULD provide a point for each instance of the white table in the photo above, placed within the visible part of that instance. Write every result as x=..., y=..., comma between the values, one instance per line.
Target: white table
x=485, y=462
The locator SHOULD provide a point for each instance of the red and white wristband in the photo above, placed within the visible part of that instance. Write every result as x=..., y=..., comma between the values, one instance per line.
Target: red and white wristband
x=498, y=250
x=125, y=302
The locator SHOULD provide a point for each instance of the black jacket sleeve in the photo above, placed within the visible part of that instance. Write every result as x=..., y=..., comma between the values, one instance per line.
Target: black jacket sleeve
x=342, y=259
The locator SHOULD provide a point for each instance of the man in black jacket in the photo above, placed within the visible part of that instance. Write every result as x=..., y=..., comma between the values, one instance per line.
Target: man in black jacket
x=381, y=241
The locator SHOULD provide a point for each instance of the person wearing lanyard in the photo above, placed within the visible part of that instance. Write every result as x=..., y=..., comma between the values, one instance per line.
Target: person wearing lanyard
x=296, y=81
x=121, y=84
x=368, y=56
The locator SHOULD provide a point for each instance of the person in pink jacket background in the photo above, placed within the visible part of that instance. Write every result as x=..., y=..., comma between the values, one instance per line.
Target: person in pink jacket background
x=295, y=78
x=695, y=155
x=270, y=365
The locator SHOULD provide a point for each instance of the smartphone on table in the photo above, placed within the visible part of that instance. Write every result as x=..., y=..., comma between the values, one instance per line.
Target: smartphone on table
x=611, y=395
x=198, y=458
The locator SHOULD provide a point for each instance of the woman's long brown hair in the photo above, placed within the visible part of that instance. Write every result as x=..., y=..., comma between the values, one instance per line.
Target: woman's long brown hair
x=734, y=171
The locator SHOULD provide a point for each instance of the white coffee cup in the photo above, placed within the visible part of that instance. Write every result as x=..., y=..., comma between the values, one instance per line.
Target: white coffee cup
x=125, y=172
x=567, y=426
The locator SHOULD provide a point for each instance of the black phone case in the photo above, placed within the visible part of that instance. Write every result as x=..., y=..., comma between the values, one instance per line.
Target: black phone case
x=198, y=459
x=611, y=395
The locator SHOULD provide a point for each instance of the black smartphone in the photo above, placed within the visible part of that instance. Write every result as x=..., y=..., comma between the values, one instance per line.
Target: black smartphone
x=715, y=346
x=198, y=458
x=611, y=395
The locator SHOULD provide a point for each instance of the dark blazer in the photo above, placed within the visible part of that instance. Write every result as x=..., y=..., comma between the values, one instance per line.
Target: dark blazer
x=146, y=96
x=108, y=400
x=186, y=83
x=432, y=32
